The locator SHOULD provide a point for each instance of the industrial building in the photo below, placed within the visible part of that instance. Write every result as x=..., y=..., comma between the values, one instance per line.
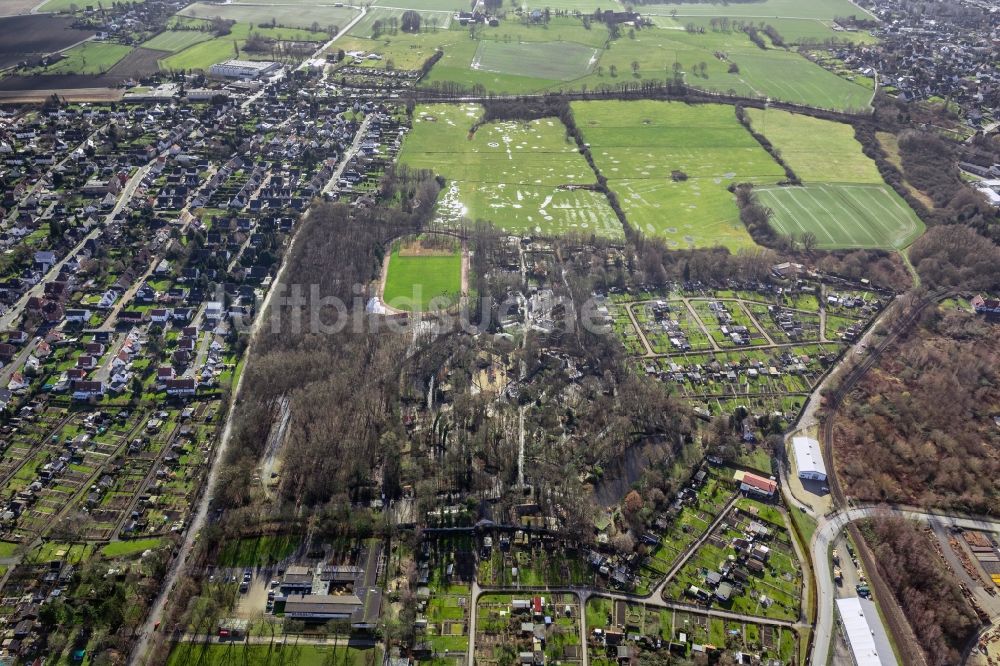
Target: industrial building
x=243, y=69
x=809, y=459
x=865, y=633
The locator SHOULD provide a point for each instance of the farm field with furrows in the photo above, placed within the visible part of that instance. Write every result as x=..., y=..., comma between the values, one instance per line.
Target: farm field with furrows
x=525, y=177
x=844, y=200
x=639, y=146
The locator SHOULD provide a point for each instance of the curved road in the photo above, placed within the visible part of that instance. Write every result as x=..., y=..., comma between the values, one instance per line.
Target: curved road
x=828, y=529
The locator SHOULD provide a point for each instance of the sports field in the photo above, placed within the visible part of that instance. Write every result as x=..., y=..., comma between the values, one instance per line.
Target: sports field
x=292, y=15
x=88, y=58
x=638, y=145
x=525, y=177
x=175, y=41
x=843, y=215
x=421, y=271
x=819, y=151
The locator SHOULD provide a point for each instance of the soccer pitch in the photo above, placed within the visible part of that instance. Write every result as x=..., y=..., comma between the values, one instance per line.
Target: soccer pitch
x=525, y=177
x=843, y=216
x=413, y=280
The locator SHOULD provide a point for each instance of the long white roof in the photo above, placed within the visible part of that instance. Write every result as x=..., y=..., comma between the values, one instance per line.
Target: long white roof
x=865, y=634
x=808, y=456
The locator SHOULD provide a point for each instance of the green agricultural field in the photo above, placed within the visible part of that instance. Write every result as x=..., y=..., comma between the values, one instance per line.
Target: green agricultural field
x=843, y=215
x=817, y=150
x=645, y=55
x=88, y=58
x=205, y=54
x=282, y=654
x=637, y=146
x=525, y=177
x=175, y=41
x=292, y=15
x=417, y=276
x=561, y=61
x=797, y=9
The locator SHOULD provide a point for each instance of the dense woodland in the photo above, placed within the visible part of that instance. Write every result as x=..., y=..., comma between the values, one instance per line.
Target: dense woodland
x=923, y=585
x=919, y=428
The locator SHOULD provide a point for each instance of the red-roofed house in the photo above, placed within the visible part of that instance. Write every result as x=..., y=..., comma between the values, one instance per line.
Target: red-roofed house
x=753, y=484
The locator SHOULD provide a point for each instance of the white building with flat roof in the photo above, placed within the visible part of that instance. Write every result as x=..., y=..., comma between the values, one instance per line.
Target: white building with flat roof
x=865, y=633
x=809, y=459
x=243, y=69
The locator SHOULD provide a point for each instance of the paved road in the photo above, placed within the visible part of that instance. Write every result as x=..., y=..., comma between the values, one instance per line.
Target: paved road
x=139, y=652
x=828, y=529
x=14, y=313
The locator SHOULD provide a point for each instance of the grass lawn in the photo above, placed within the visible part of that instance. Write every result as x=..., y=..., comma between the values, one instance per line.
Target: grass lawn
x=803, y=139
x=844, y=216
x=413, y=281
x=175, y=41
x=276, y=655
x=7, y=549
x=257, y=551
x=637, y=145
x=127, y=548
x=88, y=58
x=525, y=177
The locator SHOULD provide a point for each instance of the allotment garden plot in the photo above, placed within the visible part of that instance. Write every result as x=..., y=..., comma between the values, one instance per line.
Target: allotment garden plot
x=671, y=163
x=844, y=201
x=525, y=177
x=747, y=565
x=724, y=349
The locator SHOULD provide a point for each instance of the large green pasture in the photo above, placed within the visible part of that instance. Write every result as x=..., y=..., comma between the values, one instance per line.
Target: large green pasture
x=413, y=282
x=292, y=15
x=281, y=653
x=644, y=55
x=525, y=177
x=637, y=146
x=817, y=150
x=217, y=49
x=175, y=41
x=88, y=58
x=559, y=61
x=843, y=215
x=762, y=9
